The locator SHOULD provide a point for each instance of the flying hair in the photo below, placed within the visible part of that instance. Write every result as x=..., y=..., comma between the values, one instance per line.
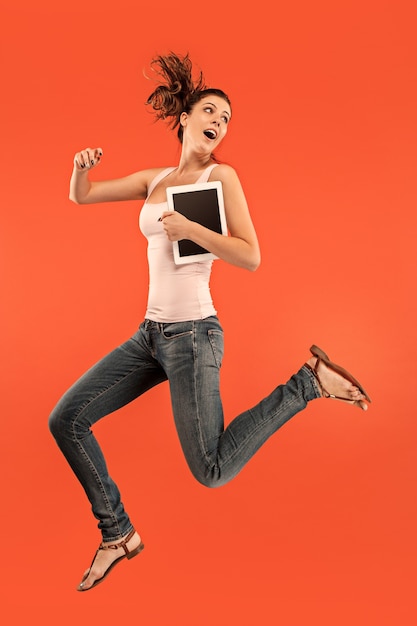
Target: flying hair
x=178, y=91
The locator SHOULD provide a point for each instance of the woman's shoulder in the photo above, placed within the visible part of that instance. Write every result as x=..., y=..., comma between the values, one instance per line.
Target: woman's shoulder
x=146, y=176
x=152, y=172
x=224, y=172
x=151, y=176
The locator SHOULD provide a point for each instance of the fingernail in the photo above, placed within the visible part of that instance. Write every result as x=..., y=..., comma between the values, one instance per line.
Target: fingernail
x=92, y=162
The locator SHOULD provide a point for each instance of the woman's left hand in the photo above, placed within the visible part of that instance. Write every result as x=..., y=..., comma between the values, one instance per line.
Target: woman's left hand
x=175, y=225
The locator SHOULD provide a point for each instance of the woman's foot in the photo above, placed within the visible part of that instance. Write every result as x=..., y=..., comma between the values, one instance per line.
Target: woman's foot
x=336, y=382
x=107, y=556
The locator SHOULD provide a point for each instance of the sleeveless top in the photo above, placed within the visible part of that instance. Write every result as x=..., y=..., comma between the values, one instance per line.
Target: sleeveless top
x=177, y=293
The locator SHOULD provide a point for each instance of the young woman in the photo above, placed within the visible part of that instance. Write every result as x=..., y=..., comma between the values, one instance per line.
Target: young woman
x=180, y=339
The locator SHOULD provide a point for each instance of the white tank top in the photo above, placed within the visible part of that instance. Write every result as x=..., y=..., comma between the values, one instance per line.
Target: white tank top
x=177, y=293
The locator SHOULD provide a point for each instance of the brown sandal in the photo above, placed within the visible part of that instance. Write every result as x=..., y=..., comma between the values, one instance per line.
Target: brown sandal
x=322, y=356
x=129, y=554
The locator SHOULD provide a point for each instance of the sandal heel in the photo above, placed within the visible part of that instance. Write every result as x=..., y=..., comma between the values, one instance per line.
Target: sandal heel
x=135, y=552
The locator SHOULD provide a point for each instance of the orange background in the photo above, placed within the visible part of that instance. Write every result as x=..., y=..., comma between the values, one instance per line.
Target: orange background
x=320, y=527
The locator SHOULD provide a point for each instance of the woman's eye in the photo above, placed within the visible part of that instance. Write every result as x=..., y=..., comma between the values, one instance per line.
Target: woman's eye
x=208, y=109
x=225, y=119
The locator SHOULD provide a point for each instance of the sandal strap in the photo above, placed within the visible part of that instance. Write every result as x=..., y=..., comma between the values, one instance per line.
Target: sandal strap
x=324, y=391
x=326, y=394
x=121, y=544
x=317, y=377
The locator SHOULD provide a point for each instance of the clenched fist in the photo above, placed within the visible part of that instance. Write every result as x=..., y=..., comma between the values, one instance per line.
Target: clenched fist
x=88, y=158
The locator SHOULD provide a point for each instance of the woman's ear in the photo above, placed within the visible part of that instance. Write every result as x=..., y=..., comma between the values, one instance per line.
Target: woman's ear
x=183, y=118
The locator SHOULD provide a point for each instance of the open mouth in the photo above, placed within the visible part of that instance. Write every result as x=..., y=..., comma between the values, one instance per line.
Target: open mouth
x=210, y=134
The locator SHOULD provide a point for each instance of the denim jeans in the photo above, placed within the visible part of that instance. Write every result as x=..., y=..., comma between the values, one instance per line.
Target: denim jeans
x=189, y=356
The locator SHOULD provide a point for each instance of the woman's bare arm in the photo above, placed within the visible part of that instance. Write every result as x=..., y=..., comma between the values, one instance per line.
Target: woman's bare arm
x=84, y=191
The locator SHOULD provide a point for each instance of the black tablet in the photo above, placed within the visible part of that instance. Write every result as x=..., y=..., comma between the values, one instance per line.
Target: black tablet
x=202, y=203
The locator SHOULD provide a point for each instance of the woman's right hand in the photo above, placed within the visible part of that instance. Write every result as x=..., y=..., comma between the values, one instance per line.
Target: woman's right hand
x=87, y=159
x=84, y=191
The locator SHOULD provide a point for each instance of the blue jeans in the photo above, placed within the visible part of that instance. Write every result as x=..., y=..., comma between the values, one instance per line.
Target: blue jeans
x=189, y=356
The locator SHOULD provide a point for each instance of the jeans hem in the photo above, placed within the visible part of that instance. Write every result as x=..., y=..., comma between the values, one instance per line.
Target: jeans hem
x=315, y=385
x=120, y=536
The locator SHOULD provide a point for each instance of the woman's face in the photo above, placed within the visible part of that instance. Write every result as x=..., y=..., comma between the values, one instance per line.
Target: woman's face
x=206, y=124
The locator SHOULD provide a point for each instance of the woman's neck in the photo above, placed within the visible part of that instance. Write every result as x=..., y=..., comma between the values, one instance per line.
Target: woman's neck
x=191, y=161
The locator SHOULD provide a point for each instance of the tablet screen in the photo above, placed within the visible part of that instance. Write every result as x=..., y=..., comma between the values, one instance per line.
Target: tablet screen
x=203, y=203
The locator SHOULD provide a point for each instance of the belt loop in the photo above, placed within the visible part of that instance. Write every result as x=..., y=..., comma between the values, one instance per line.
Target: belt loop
x=150, y=324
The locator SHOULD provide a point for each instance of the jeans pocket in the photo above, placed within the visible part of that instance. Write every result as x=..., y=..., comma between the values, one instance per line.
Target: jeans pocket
x=217, y=345
x=176, y=330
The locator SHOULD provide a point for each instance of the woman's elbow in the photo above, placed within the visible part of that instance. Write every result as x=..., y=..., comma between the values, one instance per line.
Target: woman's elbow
x=254, y=266
x=75, y=199
x=254, y=262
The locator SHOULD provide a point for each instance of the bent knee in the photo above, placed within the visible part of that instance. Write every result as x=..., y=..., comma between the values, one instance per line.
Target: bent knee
x=59, y=421
x=55, y=423
x=211, y=480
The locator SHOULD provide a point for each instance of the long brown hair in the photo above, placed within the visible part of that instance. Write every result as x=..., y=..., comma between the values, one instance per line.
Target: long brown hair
x=178, y=91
